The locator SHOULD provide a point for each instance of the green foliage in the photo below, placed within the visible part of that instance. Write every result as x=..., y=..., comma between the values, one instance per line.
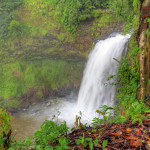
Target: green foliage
x=83, y=141
x=5, y=122
x=129, y=79
x=121, y=9
x=21, y=144
x=104, y=144
x=7, y=14
x=133, y=112
x=77, y=11
x=67, y=13
x=149, y=81
x=43, y=139
x=2, y=141
x=148, y=30
x=17, y=29
x=91, y=145
x=87, y=142
x=100, y=3
x=63, y=141
x=105, y=112
x=130, y=107
x=136, y=112
x=49, y=132
x=12, y=103
x=5, y=127
x=96, y=142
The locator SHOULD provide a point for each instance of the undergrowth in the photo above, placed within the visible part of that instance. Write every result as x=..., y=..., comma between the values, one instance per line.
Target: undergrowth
x=5, y=128
x=130, y=104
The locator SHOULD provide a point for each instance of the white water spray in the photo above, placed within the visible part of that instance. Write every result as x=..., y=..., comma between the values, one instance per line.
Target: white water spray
x=95, y=89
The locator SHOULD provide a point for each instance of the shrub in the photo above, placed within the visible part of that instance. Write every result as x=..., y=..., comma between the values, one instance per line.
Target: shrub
x=5, y=128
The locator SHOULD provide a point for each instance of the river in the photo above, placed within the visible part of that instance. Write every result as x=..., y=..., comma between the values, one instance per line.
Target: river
x=28, y=120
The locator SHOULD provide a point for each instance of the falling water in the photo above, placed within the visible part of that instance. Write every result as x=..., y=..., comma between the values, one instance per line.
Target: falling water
x=95, y=89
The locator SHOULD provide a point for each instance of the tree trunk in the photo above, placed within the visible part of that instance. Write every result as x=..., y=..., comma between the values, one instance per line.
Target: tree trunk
x=144, y=44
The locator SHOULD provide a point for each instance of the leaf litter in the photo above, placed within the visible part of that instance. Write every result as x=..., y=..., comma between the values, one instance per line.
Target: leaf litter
x=119, y=136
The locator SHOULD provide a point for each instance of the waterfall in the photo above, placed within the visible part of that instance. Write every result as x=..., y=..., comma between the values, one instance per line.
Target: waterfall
x=95, y=89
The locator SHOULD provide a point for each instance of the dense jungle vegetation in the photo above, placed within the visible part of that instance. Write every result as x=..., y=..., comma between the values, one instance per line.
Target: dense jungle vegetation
x=27, y=22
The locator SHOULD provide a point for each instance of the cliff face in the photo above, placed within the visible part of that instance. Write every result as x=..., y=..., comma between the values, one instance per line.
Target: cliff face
x=44, y=59
x=143, y=38
x=44, y=38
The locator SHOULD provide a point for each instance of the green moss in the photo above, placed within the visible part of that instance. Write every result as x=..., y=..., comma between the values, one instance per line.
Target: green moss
x=18, y=77
x=13, y=103
x=40, y=93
